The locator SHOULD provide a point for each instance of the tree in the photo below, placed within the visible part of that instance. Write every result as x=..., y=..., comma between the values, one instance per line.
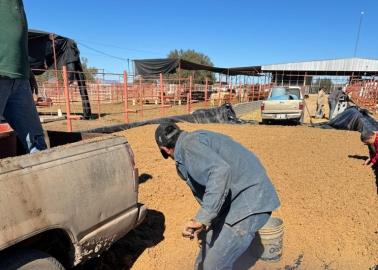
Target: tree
x=195, y=57
x=89, y=72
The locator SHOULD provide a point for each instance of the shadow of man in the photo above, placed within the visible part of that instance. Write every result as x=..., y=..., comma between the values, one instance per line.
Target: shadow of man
x=123, y=254
x=251, y=255
x=374, y=167
x=358, y=157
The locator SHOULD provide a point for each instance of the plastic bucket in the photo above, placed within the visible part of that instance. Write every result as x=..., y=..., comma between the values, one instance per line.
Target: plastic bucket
x=271, y=236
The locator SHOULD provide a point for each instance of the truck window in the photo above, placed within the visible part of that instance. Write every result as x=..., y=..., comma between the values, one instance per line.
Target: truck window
x=278, y=91
x=293, y=91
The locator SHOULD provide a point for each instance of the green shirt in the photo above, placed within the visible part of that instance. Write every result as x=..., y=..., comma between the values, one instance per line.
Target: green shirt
x=13, y=40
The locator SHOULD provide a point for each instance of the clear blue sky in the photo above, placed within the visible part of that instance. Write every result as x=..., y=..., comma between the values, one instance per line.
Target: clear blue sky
x=232, y=33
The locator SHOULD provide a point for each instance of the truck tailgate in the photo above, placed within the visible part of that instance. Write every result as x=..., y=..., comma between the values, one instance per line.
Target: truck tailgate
x=281, y=105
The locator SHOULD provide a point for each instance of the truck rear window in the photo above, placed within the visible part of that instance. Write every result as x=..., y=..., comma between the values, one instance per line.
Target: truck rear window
x=285, y=93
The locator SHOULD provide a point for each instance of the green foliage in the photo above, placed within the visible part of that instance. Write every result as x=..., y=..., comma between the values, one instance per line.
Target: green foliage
x=90, y=72
x=195, y=57
x=50, y=74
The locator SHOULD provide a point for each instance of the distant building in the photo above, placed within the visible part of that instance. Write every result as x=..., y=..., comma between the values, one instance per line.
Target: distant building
x=302, y=73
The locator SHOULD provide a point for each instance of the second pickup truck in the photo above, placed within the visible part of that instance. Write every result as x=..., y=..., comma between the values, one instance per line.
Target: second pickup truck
x=283, y=103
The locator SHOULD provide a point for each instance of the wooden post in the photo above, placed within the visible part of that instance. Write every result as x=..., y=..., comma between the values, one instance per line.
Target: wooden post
x=125, y=94
x=67, y=97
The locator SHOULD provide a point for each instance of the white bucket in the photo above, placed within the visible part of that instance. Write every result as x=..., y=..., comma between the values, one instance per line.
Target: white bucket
x=272, y=239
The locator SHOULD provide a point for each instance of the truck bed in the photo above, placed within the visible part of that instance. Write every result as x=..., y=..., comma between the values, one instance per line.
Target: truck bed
x=88, y=189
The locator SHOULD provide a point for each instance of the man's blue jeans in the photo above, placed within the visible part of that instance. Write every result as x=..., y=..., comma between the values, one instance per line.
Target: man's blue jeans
x=332, y=106
x=18, y=109
x=224, y=244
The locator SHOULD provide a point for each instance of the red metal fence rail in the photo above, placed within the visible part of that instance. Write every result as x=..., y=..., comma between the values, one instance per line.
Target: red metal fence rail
x=124, y=98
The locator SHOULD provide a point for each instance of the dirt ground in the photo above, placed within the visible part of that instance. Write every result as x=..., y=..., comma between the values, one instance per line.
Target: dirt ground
x=329, y=201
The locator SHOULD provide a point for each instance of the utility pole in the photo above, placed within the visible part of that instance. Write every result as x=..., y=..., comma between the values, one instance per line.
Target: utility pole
x=358, y=34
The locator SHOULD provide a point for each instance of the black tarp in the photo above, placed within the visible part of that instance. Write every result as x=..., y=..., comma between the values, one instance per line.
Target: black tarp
x=353, y=118
x=153, y=67
x=223, y=114
x=41, y=57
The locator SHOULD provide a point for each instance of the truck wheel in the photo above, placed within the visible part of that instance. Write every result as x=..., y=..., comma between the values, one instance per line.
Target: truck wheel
x=30, y=260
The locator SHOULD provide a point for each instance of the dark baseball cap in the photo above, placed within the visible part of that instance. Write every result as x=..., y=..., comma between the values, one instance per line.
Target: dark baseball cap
x=165, y=135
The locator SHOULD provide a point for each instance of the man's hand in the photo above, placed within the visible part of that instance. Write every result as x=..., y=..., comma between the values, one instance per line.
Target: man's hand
x=192, y=229
x=367, y=162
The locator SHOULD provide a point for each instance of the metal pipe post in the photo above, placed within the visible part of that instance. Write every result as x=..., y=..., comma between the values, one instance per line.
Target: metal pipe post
x=161, y=95
x=141, y=97
x=98, y=100
x=125, y=94
x=230, y=97
x=52, y=38
x=206, y=86
x=67, y=97
x=190, y=94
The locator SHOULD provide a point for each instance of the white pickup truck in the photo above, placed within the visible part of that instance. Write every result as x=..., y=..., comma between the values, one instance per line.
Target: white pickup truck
x=283, y=103
x=67, y=204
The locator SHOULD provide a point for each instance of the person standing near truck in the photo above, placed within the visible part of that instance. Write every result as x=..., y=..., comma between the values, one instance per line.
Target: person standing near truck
x=16, y=101
x=333, y=98
x=231, y=186
x=320, y=103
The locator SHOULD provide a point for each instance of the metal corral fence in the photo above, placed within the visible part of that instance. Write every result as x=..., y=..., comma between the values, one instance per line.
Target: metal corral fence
x=123, y=98
x=361, y=87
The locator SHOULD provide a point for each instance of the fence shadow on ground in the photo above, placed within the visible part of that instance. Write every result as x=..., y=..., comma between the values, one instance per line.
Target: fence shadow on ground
x=123, y=254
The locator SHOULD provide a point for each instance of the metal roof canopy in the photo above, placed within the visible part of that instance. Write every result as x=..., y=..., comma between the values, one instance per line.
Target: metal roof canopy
x=346, y=66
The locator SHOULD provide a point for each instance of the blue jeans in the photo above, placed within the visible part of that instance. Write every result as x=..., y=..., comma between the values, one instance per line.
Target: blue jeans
x=18, y=109
x=223, y=244
x=319, y=111
x=332, y=106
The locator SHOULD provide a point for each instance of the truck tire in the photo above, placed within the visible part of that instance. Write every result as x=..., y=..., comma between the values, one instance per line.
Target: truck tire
x=30, y=260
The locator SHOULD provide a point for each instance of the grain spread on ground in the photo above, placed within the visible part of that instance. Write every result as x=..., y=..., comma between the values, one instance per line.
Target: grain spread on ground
x=329, y=201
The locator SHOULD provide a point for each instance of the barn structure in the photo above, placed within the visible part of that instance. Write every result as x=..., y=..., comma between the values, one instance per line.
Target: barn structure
x=303, y=73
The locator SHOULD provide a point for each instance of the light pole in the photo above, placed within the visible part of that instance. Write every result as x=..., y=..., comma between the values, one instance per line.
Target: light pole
x=358, y=34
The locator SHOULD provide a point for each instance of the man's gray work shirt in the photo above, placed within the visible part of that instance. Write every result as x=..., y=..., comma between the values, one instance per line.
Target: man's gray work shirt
x=225, y=177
